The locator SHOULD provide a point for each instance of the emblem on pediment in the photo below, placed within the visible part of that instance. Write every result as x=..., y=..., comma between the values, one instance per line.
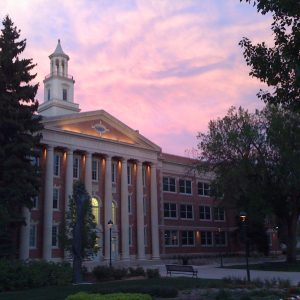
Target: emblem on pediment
x=100, y=128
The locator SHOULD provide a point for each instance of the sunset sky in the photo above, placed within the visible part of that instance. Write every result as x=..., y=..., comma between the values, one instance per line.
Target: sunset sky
x=164, y=67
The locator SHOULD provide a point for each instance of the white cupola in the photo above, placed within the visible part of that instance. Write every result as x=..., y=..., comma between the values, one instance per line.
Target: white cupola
x=58, y=87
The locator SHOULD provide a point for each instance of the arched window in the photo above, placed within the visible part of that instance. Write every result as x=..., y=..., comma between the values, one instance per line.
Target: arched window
x=114, y=212
x=96, y=210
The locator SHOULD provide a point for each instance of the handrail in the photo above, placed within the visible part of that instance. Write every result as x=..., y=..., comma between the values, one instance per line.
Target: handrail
x=58, y=74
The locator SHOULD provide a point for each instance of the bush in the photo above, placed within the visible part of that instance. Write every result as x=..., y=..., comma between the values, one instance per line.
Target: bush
x=103, y=273
x=152, y=273
x=117, y=296
x=139, y=271
x=18, y=275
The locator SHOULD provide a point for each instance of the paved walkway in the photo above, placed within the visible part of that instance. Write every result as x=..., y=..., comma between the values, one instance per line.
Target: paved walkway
x=215, y=272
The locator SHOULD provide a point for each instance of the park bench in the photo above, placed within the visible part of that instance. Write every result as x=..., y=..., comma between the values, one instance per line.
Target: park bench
x=181, y=269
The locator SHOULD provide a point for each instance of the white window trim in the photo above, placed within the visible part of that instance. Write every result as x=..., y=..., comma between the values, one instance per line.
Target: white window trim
x=36, y=201
x=145, y=236
x=129, y=200
x=186, y=219
x=114, y=172
x=145, y=205
x=201, y=195
x=54, y=166
x=212, y=239
x=186, y=194
x=189, y=245
x=171, y=218
x=56, y=246
x=171, y=192
x=129, y=174
x=177, y=239
x=130, y=236
x=210, y=213
x=76, y=158
x=97, y=170
x=58, y=197
x=220, y=245
x=216, y=220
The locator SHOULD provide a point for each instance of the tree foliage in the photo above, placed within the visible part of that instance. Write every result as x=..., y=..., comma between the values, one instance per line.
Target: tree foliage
x=278, y=66
x=19, y=135
x=256, y=161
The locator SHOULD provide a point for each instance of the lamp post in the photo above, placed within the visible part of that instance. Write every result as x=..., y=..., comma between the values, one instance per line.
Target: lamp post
x=244, y=221
x=221, y=256
x=110, y=224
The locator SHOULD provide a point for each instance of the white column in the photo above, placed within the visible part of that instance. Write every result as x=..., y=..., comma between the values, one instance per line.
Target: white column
x=48, y=205
x=88, y=173
x=124, y=211
x=24, y=234
x=154, y=214
x=69, y=178
x=107, y=205
x=140, y=212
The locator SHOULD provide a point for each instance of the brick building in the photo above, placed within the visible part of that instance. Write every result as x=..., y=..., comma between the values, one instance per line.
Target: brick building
x=157, y=205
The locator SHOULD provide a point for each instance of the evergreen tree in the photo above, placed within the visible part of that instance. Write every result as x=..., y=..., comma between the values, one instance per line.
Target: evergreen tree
x=19, y=135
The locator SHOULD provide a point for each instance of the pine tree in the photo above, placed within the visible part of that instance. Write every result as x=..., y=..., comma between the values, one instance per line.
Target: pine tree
x=19, y=135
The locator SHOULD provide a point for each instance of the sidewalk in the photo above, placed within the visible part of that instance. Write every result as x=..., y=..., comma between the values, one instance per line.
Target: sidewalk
x=215, y=272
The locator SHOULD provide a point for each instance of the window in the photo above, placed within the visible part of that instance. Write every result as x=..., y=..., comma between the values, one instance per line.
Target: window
x=187, y=238
x=206, y=238
x=55, y=198
x=171, y=237
x=76, y=167
x=203, y=189
x=145, y=205
x=170, y=210
x=113, y=172
x=48, y=94
x=35, y=201
x=204, y=212
x=32, y=235
x=219, y=213
x=220, y=238
x=65, y=95
x=169, y=184
x=185, y=186
x=145, y=236
x=56, y=169
x=130, y=236
x=186, y=211
x=144, y=175
x=55, y=236
x=95, y=170
x=129, y=175
x=114, y=212
x=95, y=209
x=35, y=161
x=129, y=204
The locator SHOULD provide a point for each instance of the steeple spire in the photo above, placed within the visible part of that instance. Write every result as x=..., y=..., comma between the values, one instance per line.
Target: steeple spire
x=58, y=86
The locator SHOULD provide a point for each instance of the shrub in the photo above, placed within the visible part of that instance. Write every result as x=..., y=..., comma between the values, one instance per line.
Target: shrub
x=17, y=275
x=119, y=273
x=116, y=296
x=153, y=273
x=103, y=273
x=139, y=271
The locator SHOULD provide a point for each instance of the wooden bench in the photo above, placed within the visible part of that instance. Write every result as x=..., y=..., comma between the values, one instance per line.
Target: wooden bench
x=181, y=269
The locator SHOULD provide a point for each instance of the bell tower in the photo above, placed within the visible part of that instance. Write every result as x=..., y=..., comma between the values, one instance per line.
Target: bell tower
x=58, y=87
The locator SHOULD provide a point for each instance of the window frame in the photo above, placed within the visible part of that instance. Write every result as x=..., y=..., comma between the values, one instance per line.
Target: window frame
x=184, y=186
x=34, y=246
x=56, y=165
x=204, y=213
x=56, y=245
x=57, y=200
x=170, y=210
x=95, y=170
x=186, y=211
x=76, y=167
x=218, y=234
x=170, y=237
x=168, y=184
x=205, y=192
x=205, y=234
x=187, y=238
x=114, y=172
x=129, y=204
x=217, y=208
x=129, y=174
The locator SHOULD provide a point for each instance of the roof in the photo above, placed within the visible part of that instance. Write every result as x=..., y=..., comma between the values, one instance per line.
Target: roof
x=59, y=51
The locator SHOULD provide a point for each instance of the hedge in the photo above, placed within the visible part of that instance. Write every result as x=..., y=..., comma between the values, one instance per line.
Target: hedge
x=116, y=296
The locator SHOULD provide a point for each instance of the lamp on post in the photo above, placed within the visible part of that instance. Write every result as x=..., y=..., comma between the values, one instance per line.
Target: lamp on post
x=110, y=224
x=244, y=222
x=221, y=256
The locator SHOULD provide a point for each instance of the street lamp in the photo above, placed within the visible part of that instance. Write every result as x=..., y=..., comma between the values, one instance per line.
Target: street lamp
x=244, y=221
x=221, y=256
x=110, y=224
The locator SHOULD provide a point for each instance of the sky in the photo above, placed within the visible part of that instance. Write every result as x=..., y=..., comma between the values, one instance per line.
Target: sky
x=163, y=67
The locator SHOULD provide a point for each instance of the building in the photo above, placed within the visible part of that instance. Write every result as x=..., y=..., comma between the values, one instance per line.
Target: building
x=157, y=205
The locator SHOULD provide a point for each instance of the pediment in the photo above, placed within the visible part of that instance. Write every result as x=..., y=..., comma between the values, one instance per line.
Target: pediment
x=101, y=125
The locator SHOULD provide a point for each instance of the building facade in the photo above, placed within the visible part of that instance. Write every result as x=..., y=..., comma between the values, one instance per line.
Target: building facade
x=158, y=206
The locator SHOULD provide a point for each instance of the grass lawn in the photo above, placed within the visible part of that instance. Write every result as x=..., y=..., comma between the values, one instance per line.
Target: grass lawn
x=60, y=293
x=270, y=266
